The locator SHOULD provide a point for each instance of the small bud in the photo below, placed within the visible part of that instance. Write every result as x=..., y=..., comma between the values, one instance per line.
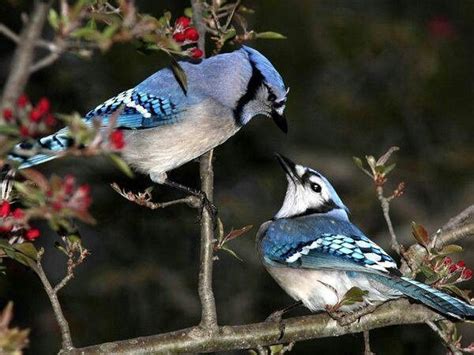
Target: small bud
x=179, y=37
x=466, y=274
x=453, y=268
x=5, y=208
x=460, y=264
x=22, y=101
x=191, y=34
x=183, y=22
x=196, y=53
x=35, y=116
x=43, y=105
x=447, y=261
x=24, y=131
x=116, y=139
x=50, y=121
x=7, y=114
x=18, y=213
x=32, y=234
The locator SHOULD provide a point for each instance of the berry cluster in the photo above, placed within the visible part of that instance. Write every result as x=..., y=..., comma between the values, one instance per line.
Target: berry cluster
x=65, y=197
x=457, y=269
x=29, y=120
x=11, y=218
x=185, y=34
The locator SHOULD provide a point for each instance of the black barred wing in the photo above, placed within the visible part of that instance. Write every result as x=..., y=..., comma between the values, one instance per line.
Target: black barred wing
x=139, y=110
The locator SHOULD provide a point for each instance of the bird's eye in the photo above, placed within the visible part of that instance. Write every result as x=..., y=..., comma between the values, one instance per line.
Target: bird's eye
x=271, y=97
x=315, y=187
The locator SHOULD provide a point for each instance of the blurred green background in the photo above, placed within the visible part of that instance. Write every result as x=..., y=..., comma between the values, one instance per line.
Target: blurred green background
x=364, y=75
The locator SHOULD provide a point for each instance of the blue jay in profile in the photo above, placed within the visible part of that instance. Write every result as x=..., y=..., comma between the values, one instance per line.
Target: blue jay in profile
x=166, y=127
x=316, y=254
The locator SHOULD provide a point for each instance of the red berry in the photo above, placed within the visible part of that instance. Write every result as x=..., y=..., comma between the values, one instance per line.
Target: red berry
x=18, y=213
x=6, y=228
x=84, y=189
x=68, y=184
x=24, y=131
x=460, y=264
x=22, y=101
x=179, y=37
x=453, y=268
x=191, y=34
x=7, y=114
x=35, y=116
x=196, y=53
x=32, y=234
x=466, y=274
x=57, y=206
x=447, y=261
x=5, y=209
x=50, y=120
x=117, y=140
x=43, y=105
x=183, y=22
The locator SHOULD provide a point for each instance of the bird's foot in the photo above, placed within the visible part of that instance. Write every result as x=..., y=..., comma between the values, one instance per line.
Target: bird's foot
x=346, y=318
x=211, y=208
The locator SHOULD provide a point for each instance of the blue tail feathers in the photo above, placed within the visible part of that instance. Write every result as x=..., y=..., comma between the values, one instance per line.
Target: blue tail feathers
x=31, y=154
x=442, y=302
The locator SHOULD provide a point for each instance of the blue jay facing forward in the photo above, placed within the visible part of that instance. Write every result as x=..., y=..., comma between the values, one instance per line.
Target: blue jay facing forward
x=316, y=254
x=166, y=127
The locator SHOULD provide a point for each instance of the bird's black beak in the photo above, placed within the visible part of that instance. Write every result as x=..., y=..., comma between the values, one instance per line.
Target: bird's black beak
x=288, y=166
x=280, y=121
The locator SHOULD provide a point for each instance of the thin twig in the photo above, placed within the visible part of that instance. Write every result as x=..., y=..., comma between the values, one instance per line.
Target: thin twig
x=385, y=203
x=9, y=33
x=452, y=348
x=144, y=199
x=367, y=350
x=55, y=53
x=53, y=298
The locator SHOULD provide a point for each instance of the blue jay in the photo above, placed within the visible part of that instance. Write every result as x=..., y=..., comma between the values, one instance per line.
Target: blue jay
x=316, y=254
x=166, y=127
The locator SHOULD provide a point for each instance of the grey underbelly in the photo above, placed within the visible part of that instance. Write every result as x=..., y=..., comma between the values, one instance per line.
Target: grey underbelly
x=158, y=150
x=320, y=288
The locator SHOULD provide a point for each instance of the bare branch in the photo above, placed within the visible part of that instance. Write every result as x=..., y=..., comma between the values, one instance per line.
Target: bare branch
x=4, y=30
x=53, y=298
x=252, y=336
x=24, y=53
x=206, y=294
x=144, y=199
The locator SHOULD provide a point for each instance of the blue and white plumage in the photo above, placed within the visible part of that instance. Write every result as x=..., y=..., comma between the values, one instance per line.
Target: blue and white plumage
x=165, y=127
x=316, y=254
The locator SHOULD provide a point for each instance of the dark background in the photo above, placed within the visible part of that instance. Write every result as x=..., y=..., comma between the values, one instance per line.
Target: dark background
x=364, y=75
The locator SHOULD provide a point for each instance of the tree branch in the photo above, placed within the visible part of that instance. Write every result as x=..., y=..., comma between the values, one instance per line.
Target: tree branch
x=206, y=294
x=24, y=53
x=266, y=333
x=53, y=298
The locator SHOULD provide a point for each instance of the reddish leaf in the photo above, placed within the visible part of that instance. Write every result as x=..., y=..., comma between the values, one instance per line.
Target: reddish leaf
x=420, y=234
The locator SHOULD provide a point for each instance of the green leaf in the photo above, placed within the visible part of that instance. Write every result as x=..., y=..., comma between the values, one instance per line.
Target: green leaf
x=450, y=249
x=231, y=33
x=231, y=252
x=180, y=75
x=122, y=165
x=8, y=130
x=270, y=35
x=188, y=12
x=371, y=161
x=384, y=158
x=354, y=295
x=420, y=234
x=27, y=249
x=53, y=19
x=389, y=168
